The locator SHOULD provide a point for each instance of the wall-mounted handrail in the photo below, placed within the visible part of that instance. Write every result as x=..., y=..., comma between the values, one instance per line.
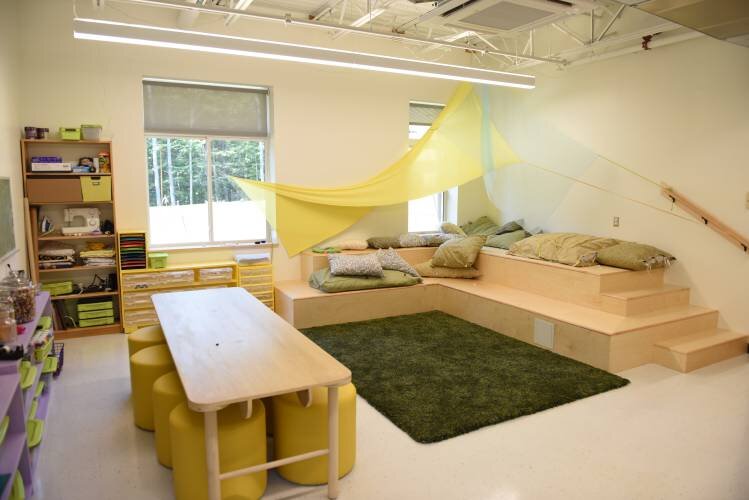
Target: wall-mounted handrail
x=705, y=217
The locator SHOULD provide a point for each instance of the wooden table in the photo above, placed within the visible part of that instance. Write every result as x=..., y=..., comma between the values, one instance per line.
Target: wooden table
x=230, y=348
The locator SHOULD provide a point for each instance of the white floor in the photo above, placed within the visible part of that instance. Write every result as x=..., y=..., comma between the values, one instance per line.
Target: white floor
x=665, y=436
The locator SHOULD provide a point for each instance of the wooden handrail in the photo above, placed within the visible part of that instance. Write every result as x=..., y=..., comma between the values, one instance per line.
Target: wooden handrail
x=706, y=217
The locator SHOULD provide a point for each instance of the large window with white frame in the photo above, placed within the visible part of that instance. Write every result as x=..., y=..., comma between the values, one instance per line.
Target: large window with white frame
x=427, y=213
x=197, y=137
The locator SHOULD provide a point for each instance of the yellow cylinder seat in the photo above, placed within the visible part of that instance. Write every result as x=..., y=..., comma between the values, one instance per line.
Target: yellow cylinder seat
x=145, y=337
x=298, y=430
x=146, y=366
x=167, y=394
x=241, y=444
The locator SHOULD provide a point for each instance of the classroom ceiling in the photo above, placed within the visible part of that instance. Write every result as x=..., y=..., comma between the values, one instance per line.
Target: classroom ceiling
x=499, y=34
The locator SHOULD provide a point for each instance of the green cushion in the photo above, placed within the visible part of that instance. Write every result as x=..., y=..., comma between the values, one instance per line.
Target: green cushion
x=450, y=228
x=326, y=282
x=384, y=242
x=634, y=256
x=481, y=226
x=461, y=252
x=510, y=227
x=427, y=270
x=506, y=239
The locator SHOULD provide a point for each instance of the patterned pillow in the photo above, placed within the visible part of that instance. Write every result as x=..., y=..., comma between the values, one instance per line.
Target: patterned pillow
x=412, y=240
x=390, y=259
x=355, y=265
x=436, y=239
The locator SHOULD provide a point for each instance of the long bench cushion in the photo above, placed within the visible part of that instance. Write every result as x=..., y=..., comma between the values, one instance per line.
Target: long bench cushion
x=427, y=270
x=326, y=282
x=634, y=256
x=566, y=248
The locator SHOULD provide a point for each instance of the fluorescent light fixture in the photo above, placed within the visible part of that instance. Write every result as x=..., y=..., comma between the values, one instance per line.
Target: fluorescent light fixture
x=367, y=18
x=152, y=36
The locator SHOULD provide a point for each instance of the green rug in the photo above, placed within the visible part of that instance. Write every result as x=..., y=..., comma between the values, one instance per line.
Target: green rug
x=437, y=376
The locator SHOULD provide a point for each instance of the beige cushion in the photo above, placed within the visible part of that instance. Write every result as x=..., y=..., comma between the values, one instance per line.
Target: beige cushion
x=427, y=270
x=634, y=256
x=355, y=265
x=390, y=259
x=326, y=282
x=506, y=240
x=351, y=245
x=572, y=249
x=450, y=228
x=458, y=253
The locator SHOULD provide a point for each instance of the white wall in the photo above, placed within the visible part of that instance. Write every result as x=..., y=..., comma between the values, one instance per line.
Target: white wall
x=10, y=125
x=331, y=126
x=677, y=114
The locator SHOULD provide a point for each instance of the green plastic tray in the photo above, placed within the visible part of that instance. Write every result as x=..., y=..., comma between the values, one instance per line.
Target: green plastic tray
x=32, y=409
x=18, y=492
x=50, y=364
x=42, y=352
x=83, y=323
x=28, y=373
x=34, y=431
x=95, y=306
x=102, y=313
x=39, y=389
x=4, y=428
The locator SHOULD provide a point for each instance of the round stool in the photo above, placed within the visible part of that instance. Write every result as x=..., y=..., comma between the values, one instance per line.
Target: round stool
x=241, y=444
x=146, y=366
x=298, y=430
x=144, y=337
x=167, y=393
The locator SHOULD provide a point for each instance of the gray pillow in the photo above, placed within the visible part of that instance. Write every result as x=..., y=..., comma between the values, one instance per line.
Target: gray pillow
x=412, y=240
x=506, y=240
x=510, y=227
x=384, y=242
x=436, y=239
x=391, y=260
x=355, y=265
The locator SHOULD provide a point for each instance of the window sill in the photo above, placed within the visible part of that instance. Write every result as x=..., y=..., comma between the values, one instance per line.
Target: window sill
x=213, y=246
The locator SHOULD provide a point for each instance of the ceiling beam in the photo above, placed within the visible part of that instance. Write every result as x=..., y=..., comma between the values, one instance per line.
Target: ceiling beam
x=239, y=5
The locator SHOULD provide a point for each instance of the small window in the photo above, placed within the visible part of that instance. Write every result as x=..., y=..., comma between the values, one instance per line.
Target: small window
x=197, y=137
x=424, y=214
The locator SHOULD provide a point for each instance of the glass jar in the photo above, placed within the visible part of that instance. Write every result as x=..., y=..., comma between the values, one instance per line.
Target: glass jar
x=8, y=331
x=23, y=294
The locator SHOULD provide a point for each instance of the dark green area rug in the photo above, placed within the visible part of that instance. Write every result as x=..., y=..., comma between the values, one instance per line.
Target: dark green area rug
x=436, y=376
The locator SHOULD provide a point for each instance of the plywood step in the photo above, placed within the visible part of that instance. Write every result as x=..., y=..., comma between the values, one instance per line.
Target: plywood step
x=694, y=351
x=644, y=300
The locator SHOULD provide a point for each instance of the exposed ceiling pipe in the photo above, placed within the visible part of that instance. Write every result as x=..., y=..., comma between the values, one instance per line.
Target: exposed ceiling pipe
x=638, y=48
x=177, y=4
x=610, y=23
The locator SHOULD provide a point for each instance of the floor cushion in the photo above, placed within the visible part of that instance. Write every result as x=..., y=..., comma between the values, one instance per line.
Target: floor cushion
x=427, y=270
x=326, y=282
x=506, y=240
x=572, y=249
x=634, y=256
x=458, y=253
x=481, y=226
x=384, y=242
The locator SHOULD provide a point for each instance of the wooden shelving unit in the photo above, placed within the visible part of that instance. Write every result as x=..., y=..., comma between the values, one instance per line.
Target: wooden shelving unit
x=66, y=321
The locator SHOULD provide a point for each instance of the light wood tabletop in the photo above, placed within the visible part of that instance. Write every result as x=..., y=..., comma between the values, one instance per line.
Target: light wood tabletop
x=228, y=347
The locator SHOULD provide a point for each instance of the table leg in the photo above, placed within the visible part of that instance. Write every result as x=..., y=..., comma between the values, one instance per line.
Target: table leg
x=211, y=455
x=332, y=442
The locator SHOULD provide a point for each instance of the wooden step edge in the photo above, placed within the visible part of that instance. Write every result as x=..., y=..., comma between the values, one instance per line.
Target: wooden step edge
x=701, y=341
x=644, y=292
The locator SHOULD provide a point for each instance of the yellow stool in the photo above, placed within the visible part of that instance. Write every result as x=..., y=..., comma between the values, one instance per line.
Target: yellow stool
x=146, y=366
x=167, y=393
x=298, y=430
x=241, y=444
x=145, y=337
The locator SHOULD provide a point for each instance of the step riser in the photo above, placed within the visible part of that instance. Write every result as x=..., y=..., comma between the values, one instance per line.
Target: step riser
x=635, y=280
x=687, y=362
x=642, y=305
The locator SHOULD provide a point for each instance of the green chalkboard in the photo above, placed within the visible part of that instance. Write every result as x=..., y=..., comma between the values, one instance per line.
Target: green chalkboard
x=7, y=234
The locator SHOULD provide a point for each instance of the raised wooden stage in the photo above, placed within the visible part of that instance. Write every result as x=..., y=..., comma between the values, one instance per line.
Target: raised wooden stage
x=610, y=318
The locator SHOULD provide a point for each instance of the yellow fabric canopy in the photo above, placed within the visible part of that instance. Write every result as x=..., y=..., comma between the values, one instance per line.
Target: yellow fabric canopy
x=454, y=151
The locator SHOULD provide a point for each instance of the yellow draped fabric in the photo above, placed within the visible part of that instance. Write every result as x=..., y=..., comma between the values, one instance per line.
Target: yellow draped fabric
x=454, y=151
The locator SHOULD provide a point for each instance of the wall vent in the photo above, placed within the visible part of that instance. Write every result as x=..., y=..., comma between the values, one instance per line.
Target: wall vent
x=543, y=333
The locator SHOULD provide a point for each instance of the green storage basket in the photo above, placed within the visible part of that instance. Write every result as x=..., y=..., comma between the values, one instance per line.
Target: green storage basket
x=101, y=313
x=28, y=374
x=157, y=260
x=84, y=323
x=18, y=491
x=58, y=287
x=94, y=306
x=50, y=365
x=34, y=431
x=42, y=352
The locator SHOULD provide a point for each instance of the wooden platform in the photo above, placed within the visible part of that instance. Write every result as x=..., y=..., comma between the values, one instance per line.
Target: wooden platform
x=610, y=318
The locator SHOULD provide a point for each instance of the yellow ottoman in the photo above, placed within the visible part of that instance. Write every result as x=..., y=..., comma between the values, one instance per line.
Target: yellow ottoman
x=145, y=337
x=241, y=444
x=167, y=393
x=146, y=366
x=298, y=430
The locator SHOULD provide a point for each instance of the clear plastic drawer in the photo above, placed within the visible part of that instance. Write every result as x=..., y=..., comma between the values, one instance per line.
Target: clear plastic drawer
x=141, y=317
x=256, y=280
x=216, y=274
x=253, y=271
x=157, y=280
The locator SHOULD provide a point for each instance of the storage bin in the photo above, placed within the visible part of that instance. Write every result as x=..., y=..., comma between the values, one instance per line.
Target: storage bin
x=95, y=306
x=83, y=323
x=54, y=190
x=157, y=280
x=102, y=313
x=137, y=299
x=70, y=134
x=264, y=297
x=157, y=260
x=252, y=271
x=96, y=188
x=90, y=132
x=256, y=280
x=141, y=318
x=216, y=274
x=259, y=289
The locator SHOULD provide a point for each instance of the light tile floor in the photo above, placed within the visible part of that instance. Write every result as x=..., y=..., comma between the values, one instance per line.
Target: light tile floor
x=665, y=436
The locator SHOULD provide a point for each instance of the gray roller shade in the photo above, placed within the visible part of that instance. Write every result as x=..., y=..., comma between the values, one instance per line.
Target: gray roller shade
x=423, y=114
x=181, y=108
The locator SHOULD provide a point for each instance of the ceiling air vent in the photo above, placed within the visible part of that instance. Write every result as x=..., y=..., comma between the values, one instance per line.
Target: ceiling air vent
x=506, y=15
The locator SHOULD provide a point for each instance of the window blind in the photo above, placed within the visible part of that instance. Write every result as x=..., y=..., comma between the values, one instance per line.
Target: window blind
x=186, y=108
x=423, y=114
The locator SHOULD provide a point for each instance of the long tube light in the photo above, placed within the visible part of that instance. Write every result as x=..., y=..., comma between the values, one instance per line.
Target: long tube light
x=153, y=36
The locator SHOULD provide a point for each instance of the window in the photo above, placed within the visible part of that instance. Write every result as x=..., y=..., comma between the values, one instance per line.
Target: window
x=424, y=214
x=197, y=137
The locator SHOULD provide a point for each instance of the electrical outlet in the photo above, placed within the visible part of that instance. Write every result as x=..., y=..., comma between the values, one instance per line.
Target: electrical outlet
x=616, y=220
